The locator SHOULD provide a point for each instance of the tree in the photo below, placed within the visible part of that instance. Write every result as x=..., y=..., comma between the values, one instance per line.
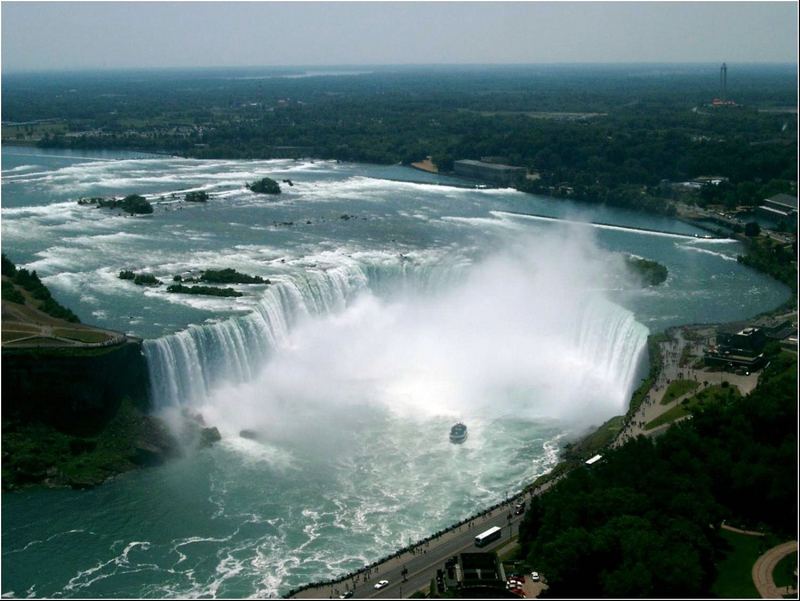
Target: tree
x=8, y=267
x=752, y=229
x=443, y=162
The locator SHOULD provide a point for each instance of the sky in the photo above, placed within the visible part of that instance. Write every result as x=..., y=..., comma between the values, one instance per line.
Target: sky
x=113, y=35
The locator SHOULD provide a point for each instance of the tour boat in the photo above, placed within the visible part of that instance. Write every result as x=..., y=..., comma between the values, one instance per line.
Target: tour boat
x=458, y=433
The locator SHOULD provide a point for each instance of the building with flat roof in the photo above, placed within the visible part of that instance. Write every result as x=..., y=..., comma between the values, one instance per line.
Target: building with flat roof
x=780, y=208
x=473, y=575
x=496, y=173
x=738, y=346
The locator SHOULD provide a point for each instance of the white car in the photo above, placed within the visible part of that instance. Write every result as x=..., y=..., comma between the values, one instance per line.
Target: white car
x=535, y=576
x=381, y=584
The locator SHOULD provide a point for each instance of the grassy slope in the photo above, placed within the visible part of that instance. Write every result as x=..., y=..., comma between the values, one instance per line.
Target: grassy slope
x=734, y=573
x=712, y=394
x=678, y=388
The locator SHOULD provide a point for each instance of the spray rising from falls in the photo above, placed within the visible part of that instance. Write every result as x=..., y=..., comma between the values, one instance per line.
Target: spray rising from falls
x=185, y=366
x=520, y=334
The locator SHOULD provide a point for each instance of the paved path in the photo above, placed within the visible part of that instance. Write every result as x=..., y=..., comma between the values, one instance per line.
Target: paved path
x=20, y=331
x=762, y=571
x=672, y=351
x=725, y=526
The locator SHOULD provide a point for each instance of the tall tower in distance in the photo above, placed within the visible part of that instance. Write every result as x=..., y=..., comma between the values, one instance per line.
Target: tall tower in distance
x=723, y=82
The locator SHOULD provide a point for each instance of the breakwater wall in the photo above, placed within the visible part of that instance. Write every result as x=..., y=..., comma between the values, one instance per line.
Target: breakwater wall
x=613, y=226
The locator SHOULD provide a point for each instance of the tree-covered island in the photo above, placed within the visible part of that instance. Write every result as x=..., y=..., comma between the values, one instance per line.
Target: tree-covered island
x=140, y=279
x=196, y=196
x=230, y=276
x=651, y=273
x=203, y=290
x=266, y=185
x=133, y=204
x=222, y=276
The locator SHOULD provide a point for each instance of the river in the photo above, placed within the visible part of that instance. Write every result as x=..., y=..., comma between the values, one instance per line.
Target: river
x=399, y=302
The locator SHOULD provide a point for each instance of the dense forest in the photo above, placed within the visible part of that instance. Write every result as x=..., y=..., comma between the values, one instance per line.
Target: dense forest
x=644, y=522
x=611, y=134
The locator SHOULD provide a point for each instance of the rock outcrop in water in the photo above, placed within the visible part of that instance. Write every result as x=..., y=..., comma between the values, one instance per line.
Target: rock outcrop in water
x=208, y=436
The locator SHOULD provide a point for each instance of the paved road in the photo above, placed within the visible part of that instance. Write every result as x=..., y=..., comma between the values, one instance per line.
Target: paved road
x=762, y=570
x=422, y=562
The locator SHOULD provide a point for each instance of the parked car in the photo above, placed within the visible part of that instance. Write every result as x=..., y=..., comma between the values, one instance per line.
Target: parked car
x=346, y=595
x=381, y=584
x=535, y=576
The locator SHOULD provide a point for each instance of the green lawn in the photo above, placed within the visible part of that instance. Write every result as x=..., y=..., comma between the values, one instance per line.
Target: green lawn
x=784, y=571
x=734, y=571
x=667, y=417
x=677, y=389
x=712, y=394
x=8, y=336
x=81, y=335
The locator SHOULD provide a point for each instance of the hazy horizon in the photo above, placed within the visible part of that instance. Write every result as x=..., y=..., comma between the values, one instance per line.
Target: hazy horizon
x=81, y=36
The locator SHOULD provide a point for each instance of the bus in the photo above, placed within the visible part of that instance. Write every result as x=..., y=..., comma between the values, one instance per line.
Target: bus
x=484, y=538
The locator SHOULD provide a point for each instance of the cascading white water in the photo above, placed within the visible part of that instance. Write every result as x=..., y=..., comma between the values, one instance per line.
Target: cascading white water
x=612, y=342
x=569, y=340
x=184, y=366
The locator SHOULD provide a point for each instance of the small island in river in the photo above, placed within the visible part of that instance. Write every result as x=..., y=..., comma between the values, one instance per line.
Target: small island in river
x=133, y=204
x=266, y=185
x=651, y=273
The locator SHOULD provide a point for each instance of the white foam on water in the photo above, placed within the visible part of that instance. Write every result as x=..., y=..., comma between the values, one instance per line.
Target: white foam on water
x=19, y=168
x=706, y=251
x=481, y=222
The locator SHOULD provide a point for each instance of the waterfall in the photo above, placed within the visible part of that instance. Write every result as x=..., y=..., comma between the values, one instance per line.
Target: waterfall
x=613, y=343
x=585, y=333
x=184, y=366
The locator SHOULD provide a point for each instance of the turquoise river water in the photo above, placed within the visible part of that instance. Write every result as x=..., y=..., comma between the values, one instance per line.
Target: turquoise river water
x=399, y=303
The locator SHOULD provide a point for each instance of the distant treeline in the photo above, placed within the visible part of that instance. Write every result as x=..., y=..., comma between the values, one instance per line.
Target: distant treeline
x=630, y=127
x=644, y=521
